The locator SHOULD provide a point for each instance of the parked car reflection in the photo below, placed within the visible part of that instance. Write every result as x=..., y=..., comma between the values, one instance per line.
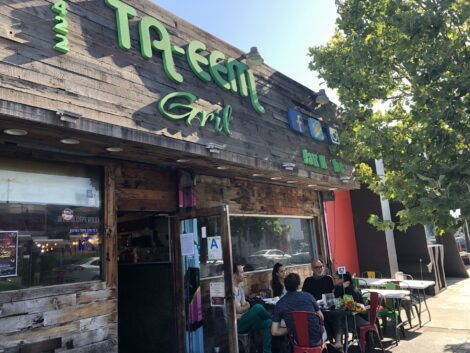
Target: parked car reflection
x=267, y=258
x=86, y=270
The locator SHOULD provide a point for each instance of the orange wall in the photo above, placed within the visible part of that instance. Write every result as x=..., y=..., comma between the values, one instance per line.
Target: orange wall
x=340, y=228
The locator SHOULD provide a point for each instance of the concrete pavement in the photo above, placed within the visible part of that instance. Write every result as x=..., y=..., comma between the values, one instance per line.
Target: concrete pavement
x=449, y=328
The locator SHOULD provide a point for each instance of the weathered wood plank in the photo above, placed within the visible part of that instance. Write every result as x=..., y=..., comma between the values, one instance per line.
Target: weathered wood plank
x=32, y=306
x=79, y=312
x=110, y=221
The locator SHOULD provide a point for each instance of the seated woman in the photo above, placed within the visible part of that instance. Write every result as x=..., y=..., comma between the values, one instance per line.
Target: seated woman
x=344, y=285
x=277, y=282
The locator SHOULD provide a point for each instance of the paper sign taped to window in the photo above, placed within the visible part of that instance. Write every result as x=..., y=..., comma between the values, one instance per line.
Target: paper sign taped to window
x=214, y=248
x=217, y=293
x=187, y=244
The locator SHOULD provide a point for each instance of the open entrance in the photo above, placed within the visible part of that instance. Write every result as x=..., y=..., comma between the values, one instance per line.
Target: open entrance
x=145, y=284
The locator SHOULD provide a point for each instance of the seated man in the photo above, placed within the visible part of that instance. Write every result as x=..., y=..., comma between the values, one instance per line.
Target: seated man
x=319, y=283
x=295, y=300
x=250, y=319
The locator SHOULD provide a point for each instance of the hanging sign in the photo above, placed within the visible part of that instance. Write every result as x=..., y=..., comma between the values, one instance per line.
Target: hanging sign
x=214, y=248
x=8, y=253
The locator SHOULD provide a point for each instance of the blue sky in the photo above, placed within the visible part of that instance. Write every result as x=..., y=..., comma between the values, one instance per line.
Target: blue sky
x=282, y=30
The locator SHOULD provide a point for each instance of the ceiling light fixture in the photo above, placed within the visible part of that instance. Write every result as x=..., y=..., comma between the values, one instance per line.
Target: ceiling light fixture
x=114, y=149
x=288, y=166
x=222, y=168
x=276, y=178
x=258, y=175
x=69, y=117
x=182, y=160
x=291, y=181
x=15, y=132
x=69, y=141
x=312, y=185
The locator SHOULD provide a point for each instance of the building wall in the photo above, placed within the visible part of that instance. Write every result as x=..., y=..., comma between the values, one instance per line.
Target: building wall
x=340, y=230
x=371, y=244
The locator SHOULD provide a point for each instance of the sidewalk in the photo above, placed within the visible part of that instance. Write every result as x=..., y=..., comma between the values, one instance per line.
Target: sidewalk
x=449, y=328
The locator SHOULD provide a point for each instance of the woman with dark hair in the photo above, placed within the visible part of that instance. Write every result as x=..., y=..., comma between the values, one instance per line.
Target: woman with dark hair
x=344, y=285
x=277, y=282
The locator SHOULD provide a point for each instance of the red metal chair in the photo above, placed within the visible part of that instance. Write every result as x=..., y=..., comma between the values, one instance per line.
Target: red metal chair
x=371, y=326
x=302, y=343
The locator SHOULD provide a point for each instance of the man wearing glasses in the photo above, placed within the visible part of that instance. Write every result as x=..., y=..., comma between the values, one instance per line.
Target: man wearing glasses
x=319, y=283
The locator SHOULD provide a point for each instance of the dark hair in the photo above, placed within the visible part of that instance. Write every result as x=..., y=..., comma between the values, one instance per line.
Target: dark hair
x=345, y=277
x=235, y=268
x=292, y=282
x=276, y=285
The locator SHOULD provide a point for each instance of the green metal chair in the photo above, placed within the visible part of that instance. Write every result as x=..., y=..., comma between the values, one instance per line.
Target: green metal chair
x=390, y=309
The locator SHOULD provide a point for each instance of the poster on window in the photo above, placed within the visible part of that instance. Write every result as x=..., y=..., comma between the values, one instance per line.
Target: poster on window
x=8, y=253
x=217, y=293
x=214, y=248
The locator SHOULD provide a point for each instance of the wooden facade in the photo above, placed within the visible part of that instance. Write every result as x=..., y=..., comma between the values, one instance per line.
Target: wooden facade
x=105, y=97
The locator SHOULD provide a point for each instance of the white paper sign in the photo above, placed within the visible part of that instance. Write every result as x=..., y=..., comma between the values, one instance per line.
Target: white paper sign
x=203, y=232
x=214, y=248
x=187, y=244
x=217, y=293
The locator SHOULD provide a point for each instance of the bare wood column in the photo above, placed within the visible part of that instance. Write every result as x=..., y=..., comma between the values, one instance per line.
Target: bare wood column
x=110, y=241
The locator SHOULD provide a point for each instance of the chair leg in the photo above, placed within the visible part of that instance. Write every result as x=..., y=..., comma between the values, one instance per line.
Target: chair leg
x=380, y=342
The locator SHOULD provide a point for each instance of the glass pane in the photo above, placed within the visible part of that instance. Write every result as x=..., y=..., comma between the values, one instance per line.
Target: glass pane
x=143, y=238
x=58, y=218
x=260, y=242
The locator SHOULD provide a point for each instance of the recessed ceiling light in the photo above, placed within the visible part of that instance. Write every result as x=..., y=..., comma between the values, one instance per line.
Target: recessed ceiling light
x=182, y=160
x=15, y=132
x=222, y=168
x=291, y=181
x=311, y=185
x=276, y=178
x=70, y=141
x=332, y=189
x=114, y=149
x=258, y=175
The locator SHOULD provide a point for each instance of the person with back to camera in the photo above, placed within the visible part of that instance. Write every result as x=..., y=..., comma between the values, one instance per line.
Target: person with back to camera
x=250, y=318
x=277, y=282
x=295, y=300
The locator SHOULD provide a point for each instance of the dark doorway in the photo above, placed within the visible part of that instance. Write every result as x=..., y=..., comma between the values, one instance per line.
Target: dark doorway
x=146, y=315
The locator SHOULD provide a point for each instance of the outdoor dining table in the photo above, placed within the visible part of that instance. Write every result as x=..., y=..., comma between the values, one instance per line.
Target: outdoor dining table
x=416, y=285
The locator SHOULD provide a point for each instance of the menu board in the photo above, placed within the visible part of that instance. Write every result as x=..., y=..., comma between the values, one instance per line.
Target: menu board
x=8, y=253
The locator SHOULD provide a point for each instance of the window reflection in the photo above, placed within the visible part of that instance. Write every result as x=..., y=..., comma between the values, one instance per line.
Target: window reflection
x=260, y=242
x=55, y=208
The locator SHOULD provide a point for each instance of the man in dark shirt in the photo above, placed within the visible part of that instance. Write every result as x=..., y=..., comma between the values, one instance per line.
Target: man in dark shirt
x=319, y=283
x=295, y=300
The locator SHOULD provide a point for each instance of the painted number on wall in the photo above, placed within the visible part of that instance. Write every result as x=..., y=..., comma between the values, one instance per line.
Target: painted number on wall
x=61, y=27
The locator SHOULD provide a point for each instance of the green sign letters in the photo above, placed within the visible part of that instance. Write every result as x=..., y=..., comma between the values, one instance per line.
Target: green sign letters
x=229, y=74
x=319, y=161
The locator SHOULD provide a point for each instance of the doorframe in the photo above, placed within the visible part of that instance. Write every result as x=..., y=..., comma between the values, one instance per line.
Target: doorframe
x=223, y=212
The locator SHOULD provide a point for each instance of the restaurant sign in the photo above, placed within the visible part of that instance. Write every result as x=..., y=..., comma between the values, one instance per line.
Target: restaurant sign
x=319, y=161
x=8, y=253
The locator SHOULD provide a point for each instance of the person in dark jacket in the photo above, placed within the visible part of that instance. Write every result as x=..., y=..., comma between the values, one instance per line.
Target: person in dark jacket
x=319, y=283
x=277, y=282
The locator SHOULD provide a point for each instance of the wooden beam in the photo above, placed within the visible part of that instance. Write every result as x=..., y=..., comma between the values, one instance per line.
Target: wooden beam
x=110, y=222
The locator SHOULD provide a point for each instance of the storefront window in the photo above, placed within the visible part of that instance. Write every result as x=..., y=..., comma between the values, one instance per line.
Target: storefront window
x=55, y=211
x=260, y=242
